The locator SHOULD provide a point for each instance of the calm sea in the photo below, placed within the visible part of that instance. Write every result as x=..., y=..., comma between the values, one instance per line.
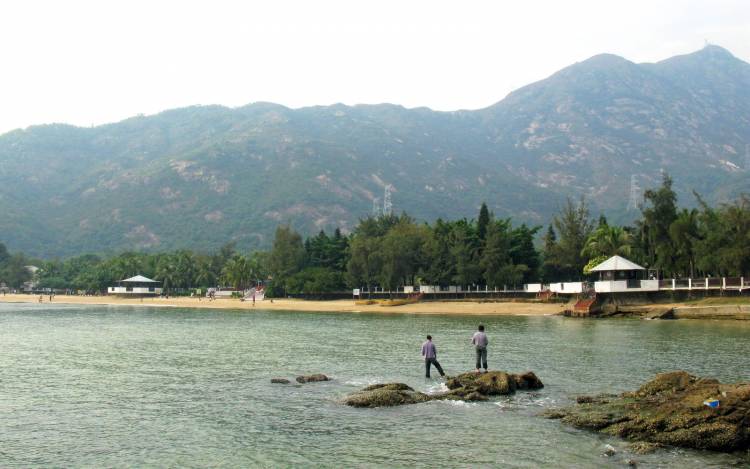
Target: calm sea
x=166, y=387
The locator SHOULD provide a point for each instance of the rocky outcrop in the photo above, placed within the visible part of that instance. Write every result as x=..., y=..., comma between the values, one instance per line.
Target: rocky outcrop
x=669, y=410
x=280, y=381
x=312, y=378
x=385, y=395
x=466, y=387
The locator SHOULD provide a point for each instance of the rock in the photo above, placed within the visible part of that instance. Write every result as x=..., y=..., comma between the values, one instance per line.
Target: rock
x=385, y=395
x=466, y=387
x=631, y=462
x=528, y=380
x=280, y=381
x=609, y=450
x=495, y=383
x=643, y=447
x=666, y=383
x=669, y=410
x=312, y=378
x=599, y=399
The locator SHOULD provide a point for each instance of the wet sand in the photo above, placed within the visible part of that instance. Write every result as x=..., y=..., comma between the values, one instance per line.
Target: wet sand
x=343, y=306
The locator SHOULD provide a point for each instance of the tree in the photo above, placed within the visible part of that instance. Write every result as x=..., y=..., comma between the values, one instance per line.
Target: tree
x=551, y=263
x=287, y=256
x=465, y=253
x=204, y=275
x=483, y=221
x=723, y=247
x=402, y=254
x=4, y=255
x=365, y=261
x=683, y=233
x=573, y=227
x=658, y=214
x=315, y=280
x=167, y=273
x=523, y=252
x=608, y=241
x=14, y=272
x=237, y=272
x=440, y=265
x=496, y=255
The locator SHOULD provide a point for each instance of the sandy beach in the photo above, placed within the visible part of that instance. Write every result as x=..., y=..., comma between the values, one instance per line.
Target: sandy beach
x=343, y=306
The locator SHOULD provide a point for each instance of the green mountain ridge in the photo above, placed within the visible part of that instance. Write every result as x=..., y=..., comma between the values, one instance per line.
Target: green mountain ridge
x=200, y=176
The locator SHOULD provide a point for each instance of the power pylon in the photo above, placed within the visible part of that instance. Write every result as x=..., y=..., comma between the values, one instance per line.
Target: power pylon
x=635, y=194
x=375, y=207
x=387, y=203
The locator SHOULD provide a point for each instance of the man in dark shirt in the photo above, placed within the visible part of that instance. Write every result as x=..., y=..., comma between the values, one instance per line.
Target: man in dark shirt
x=429, y=352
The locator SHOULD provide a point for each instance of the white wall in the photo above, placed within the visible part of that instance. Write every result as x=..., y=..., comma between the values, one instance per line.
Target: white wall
x=566, y=288
x=617, y=286
x=133, y=291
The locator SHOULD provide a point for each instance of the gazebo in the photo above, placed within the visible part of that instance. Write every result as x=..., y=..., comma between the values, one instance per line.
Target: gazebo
x=134, y=286
x=618, y=274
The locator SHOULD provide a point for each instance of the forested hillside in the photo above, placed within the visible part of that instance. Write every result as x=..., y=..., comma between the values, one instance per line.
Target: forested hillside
x=200, y=177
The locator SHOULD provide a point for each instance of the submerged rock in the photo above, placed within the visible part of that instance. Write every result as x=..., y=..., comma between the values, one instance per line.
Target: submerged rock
x=669, y=410
x=466, y=387
x=312, y=378
x=280, y=381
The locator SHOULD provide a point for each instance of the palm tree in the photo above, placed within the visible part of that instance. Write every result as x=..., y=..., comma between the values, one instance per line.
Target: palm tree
x=167, y=273
x=204, y=276
x=185, y=265
x=607, y=241
x=684, y=234
x=236, y=272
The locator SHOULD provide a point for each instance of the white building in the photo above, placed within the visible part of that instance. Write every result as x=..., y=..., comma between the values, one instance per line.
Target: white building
x=617, y=275
x=138, y=285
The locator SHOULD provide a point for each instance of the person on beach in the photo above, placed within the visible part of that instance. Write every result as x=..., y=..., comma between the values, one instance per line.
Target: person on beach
x=479, y=340
x=429, y=352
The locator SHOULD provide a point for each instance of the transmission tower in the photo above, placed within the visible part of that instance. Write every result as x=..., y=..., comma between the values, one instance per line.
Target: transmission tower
x=387, y=204
x=635, y=194
x=375, y=207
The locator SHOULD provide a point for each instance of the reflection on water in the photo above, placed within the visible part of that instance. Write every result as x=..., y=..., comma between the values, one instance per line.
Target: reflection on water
x=120, y=386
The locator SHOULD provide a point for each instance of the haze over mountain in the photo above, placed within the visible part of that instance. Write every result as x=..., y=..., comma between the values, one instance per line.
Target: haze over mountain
x=201, y=176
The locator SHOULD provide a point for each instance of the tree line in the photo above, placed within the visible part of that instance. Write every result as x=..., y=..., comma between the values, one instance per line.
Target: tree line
x=391, y=251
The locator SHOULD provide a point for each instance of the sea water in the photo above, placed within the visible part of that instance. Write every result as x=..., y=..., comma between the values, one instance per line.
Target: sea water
x=96, y=386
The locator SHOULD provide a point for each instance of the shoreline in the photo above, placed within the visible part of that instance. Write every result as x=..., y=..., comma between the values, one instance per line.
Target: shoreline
x=448, y=308
x=464, y=308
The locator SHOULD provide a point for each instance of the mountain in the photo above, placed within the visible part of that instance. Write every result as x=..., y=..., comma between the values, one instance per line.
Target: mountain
x=201, y=176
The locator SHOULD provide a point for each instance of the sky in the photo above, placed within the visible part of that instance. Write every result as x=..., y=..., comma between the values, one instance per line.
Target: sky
x=92, y=62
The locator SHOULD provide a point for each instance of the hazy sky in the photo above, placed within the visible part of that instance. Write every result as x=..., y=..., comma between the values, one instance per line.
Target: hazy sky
x=91, y=62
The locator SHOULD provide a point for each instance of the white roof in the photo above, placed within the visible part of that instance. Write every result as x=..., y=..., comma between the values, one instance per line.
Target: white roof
x=616, y=263
x=139, y=278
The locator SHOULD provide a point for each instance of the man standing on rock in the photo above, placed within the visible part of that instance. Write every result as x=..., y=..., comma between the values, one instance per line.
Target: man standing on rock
x=479, y=340
x=430, y=357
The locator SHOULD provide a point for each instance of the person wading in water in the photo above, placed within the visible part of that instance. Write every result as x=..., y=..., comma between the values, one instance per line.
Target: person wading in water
x=429, y=352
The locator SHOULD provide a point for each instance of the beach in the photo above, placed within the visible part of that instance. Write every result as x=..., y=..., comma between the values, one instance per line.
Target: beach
x=342, y=306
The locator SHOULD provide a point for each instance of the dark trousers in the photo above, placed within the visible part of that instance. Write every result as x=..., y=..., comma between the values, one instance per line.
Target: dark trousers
x=481, y=357
x=432, y=361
